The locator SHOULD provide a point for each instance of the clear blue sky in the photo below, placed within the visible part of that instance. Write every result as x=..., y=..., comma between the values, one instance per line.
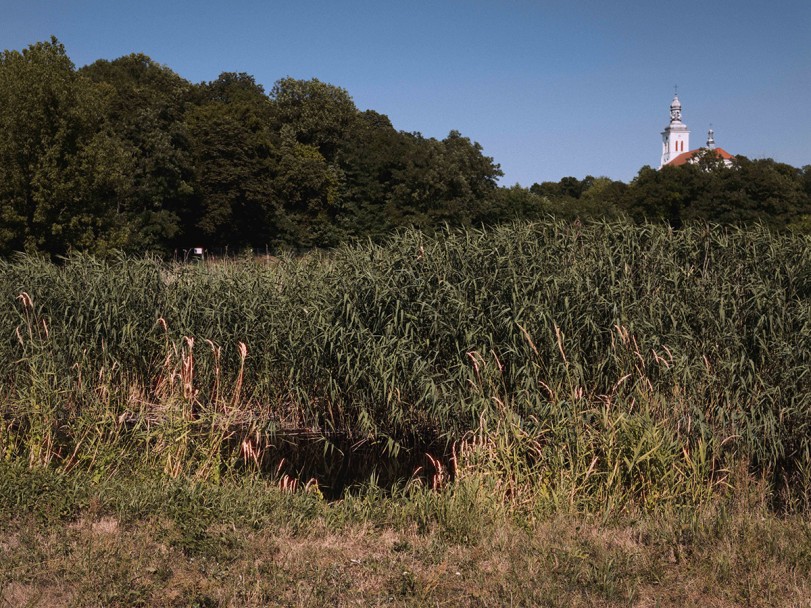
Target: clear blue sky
x=549, y=89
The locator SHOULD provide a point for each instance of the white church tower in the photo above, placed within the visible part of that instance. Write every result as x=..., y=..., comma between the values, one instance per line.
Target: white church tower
x=675, y=137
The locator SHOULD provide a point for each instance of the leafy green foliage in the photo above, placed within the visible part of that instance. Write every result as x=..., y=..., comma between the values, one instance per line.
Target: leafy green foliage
x=126, y=154
x=145, y=112
x=707, y=191
x=57, y=159
x=232, y=151
x=748, y=192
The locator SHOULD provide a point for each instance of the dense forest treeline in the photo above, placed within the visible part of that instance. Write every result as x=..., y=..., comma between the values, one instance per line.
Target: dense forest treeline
x=126, y=154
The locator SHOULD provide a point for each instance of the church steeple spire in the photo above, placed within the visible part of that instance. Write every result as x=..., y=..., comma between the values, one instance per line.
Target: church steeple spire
x=675, y=108
x=676, y=136
x=711, y=139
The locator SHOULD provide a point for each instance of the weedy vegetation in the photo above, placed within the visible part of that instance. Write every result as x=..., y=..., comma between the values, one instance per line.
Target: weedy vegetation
x=599, y=414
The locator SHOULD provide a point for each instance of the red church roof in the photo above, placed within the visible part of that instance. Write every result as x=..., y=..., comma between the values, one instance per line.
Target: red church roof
x=686, y=157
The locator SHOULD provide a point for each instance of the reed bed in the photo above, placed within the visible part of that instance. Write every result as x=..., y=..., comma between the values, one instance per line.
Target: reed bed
x=583, y=364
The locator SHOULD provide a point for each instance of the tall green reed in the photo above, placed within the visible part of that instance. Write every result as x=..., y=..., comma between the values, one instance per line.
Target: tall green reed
x=638, y=346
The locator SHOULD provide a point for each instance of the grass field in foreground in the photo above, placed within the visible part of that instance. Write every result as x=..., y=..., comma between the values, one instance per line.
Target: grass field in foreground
x=72, y=541
x=598, y=414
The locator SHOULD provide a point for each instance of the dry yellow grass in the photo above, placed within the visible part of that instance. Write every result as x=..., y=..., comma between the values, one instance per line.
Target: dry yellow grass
x=565, y=561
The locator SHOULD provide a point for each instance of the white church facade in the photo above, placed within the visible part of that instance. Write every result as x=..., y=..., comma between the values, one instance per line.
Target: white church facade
x=676, y=141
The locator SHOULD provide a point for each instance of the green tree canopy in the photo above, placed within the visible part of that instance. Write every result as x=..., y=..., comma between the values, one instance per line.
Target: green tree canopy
x=746, y=192
x=231, y=152
x=316, y=113
x=60, y=161
x=146, y=113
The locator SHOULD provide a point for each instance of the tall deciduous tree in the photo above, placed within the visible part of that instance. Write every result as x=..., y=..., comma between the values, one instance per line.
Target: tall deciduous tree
x=146, y=112
x=371, y=154
x=313, y=122
x=60, y=163
x=309, y=190
x=232, y=152
x=442, y=182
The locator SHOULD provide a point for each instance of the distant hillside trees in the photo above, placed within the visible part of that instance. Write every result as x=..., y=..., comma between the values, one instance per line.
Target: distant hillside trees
x=761, y=191
x=750, y=191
